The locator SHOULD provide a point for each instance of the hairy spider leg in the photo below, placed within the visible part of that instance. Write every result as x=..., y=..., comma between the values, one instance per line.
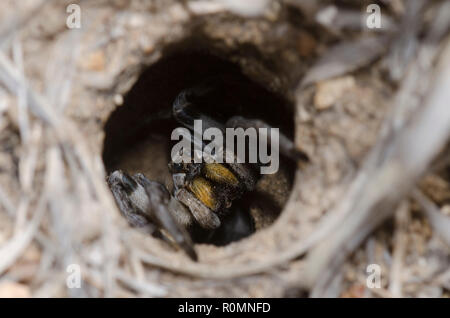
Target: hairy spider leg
x=285, y=145
x=143, y=200
x=185, y=112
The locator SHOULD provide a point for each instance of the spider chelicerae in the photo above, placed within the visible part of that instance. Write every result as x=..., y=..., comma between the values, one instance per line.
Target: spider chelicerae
x=203, y=193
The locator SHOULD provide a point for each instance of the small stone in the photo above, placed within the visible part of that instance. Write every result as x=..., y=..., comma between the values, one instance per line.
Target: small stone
x=136, y=21
x=14, y=290
x=355, y=291
x=147, y=45
x=95, y=61
x=327, y=92
x=249, y=8
x=446, y=210
x=118, y=99
x=303, y=115
x=178, y=13
x=32, y=254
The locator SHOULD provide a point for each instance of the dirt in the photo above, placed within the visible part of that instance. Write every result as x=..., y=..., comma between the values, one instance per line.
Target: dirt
x=85, y=76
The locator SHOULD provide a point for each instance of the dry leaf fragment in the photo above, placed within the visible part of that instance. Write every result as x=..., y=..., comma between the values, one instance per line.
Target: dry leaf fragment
x=345, y=58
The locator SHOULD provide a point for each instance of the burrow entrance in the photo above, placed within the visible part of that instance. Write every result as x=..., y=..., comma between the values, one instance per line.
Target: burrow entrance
x=137, y=133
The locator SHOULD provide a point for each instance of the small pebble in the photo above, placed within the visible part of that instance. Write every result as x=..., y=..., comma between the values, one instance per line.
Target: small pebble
x=118, y=99
x=329, y=91
x=94, y=61
x=14, y=290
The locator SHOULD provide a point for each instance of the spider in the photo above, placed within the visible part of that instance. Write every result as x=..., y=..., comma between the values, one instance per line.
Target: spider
x=203, y=193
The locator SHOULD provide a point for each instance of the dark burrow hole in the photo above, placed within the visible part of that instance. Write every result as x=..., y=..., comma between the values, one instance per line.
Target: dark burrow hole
x=137, y=134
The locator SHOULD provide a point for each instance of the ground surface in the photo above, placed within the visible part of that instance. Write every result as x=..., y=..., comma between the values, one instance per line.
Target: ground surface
x=348, y=87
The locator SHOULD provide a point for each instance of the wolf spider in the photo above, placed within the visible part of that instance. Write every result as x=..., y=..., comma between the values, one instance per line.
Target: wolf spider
x=203, y=192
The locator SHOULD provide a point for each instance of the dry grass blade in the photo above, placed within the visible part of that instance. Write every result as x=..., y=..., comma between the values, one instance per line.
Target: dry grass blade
x=206, y=271
x=406, y=43
x=345, y=58
x=141, y=286
x=73, y=143
x=15, y=23
x=21, y=94
x=17, y=244
x=400, y=159
x=439, y=222
x=400, y=241
x=12, y=80
x=60, y=89
x=6, y=203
